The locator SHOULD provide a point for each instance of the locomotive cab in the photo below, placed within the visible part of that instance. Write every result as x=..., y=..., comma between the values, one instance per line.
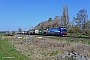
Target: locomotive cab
x=63, y=31
x=60, y=31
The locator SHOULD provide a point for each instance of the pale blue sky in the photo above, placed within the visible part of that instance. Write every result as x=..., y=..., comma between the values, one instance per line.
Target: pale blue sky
x=27, y=13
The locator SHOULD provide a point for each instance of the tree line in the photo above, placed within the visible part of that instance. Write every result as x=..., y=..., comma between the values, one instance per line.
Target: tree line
x=80, y=23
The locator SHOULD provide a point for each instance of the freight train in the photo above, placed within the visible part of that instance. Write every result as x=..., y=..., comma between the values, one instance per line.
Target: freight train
x=59, y=31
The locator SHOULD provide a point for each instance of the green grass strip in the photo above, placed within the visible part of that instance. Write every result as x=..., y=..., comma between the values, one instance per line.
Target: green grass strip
x=84, y=41
x=7, y=50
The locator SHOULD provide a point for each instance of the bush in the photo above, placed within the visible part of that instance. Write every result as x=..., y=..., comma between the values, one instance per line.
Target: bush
x=70, y=31
x=86, y=32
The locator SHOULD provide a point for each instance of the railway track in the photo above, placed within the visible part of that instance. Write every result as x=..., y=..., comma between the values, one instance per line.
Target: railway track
x=86, y=38
x=78, y=37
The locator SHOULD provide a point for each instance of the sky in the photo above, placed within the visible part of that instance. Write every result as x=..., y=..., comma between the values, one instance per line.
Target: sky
x=23, y=14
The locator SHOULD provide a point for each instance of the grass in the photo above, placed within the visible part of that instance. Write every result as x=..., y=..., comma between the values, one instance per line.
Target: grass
x=53, y=53
x=1, y=34
x=77, y=35
x=2, y=54
x=84, y=41
x=89, y=42
x=7, y=50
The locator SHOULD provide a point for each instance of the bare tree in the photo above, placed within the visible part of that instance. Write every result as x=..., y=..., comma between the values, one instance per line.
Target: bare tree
x=19, y=30
x=88, y=24
x=57, y=21
x=65, y=17
x=50, y=19
x=13, y=32
x=81, y=19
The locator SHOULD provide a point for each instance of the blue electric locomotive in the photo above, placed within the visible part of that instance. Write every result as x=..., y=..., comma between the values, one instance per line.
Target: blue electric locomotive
x=60, y=31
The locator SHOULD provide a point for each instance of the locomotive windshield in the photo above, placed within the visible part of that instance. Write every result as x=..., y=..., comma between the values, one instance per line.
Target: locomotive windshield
x=63, y=29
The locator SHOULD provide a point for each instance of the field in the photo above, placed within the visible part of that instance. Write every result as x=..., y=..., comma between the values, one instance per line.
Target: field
x=8, y=52
x=41, y=47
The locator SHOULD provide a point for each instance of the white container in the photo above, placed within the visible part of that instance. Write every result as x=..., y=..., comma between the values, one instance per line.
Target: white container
x=36, y=31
